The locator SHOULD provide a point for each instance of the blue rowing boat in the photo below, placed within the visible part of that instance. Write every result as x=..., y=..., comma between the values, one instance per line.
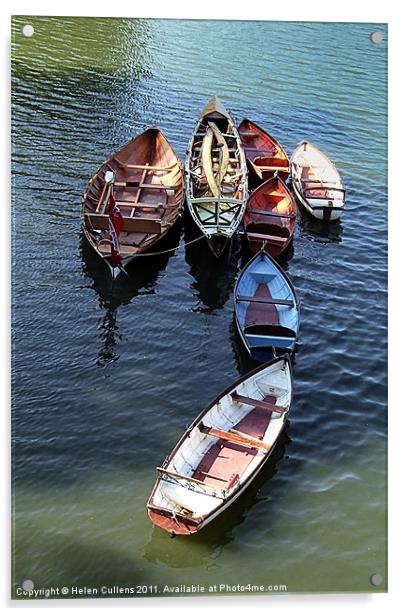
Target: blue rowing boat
x=266, y=308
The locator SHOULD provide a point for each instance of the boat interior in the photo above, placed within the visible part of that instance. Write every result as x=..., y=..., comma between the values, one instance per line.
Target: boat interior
x=226, y=445
x=270, y=218
x=148, y=188
x=318, y=177
x=217, y=186
x=262, y=150
x=266, y=307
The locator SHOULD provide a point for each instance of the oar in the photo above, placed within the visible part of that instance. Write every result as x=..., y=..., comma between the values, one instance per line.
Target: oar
x=256, y=169
x=224, y=152
x=108, y=181
x=207, y=161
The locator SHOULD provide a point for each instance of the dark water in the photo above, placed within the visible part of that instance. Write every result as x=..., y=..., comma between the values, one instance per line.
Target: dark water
x=106, y=379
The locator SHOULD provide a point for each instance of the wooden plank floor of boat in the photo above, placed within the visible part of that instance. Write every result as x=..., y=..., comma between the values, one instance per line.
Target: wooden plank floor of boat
x=260, y=314
x=222, y=460
x=225, y=459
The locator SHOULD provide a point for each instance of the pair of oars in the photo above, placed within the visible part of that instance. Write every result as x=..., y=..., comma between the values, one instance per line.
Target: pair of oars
x=214, y=180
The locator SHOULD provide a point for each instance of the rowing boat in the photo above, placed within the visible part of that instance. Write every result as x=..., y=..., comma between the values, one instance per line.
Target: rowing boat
x=216, y=176
x=266, y=308
x=146, y=178
x=270, y=217
x=317, y=182
x=263, y=152
x=222, y=451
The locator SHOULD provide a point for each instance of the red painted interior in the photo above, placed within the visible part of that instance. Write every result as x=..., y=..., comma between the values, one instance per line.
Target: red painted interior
x=273, y=196
x=223, y=464
x=262, y=150
x=224, y=459
x=262, y=314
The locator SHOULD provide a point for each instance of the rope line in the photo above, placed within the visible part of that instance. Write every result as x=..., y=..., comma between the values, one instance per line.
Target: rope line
x=162, y=252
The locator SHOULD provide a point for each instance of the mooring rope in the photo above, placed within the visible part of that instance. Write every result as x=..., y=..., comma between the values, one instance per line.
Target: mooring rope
x=162, y=252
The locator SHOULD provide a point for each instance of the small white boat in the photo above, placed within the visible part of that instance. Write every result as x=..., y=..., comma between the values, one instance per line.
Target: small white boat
x=316, y=182
x=223, y=450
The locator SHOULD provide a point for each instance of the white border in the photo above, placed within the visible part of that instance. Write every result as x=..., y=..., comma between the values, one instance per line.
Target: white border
x=294, y=10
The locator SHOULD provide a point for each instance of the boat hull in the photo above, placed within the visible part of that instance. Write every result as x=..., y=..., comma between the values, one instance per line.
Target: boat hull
x=317, y=183
x=265, y=155
x=266, y=309
x=270, y=218
x=216, y=177
x=274, y=380
x=148, y=186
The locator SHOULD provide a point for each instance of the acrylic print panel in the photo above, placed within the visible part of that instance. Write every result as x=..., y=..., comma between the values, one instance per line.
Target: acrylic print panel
x=106, y=375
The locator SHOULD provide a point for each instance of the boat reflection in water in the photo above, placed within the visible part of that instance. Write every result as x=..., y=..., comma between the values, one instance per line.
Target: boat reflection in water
x=318, y=230
x=243, y=360
x=213, y=278
x=204, y=547
x=143, y=274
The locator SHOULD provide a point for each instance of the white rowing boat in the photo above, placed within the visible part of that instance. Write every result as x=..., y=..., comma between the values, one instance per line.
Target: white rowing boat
x=316, y=182
x=222, y=451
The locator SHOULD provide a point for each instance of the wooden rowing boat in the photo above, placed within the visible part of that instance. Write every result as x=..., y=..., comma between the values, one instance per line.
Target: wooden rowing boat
x=317, y=182
x=270, y=217
x=222, y=451
x=216, y=176
x=266, y=308
x=146, y=179
x=263, y=152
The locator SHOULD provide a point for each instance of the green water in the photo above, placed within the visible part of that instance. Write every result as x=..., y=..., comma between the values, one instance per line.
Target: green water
x=105, y=382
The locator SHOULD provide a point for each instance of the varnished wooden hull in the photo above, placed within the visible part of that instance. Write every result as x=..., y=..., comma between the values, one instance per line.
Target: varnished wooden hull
x=216, y=177
x=263, y=152
x=270, y=218
x=149, y=190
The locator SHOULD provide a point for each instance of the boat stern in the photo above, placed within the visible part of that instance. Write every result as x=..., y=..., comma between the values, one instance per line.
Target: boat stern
x=175, y=524
x=218, y=243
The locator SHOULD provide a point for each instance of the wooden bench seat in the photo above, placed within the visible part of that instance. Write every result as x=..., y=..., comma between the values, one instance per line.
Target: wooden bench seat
x=139, y=184
x=259, y=237
x=233, y=436
x=143, y=167
x=265, y=300
x=261, y=404
x=265, y=213
x=133, y=224
x=323, y=187
x=140, y=204
x=272, y=167
x=318, y=181
x=213, y=491
x=159, y=187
